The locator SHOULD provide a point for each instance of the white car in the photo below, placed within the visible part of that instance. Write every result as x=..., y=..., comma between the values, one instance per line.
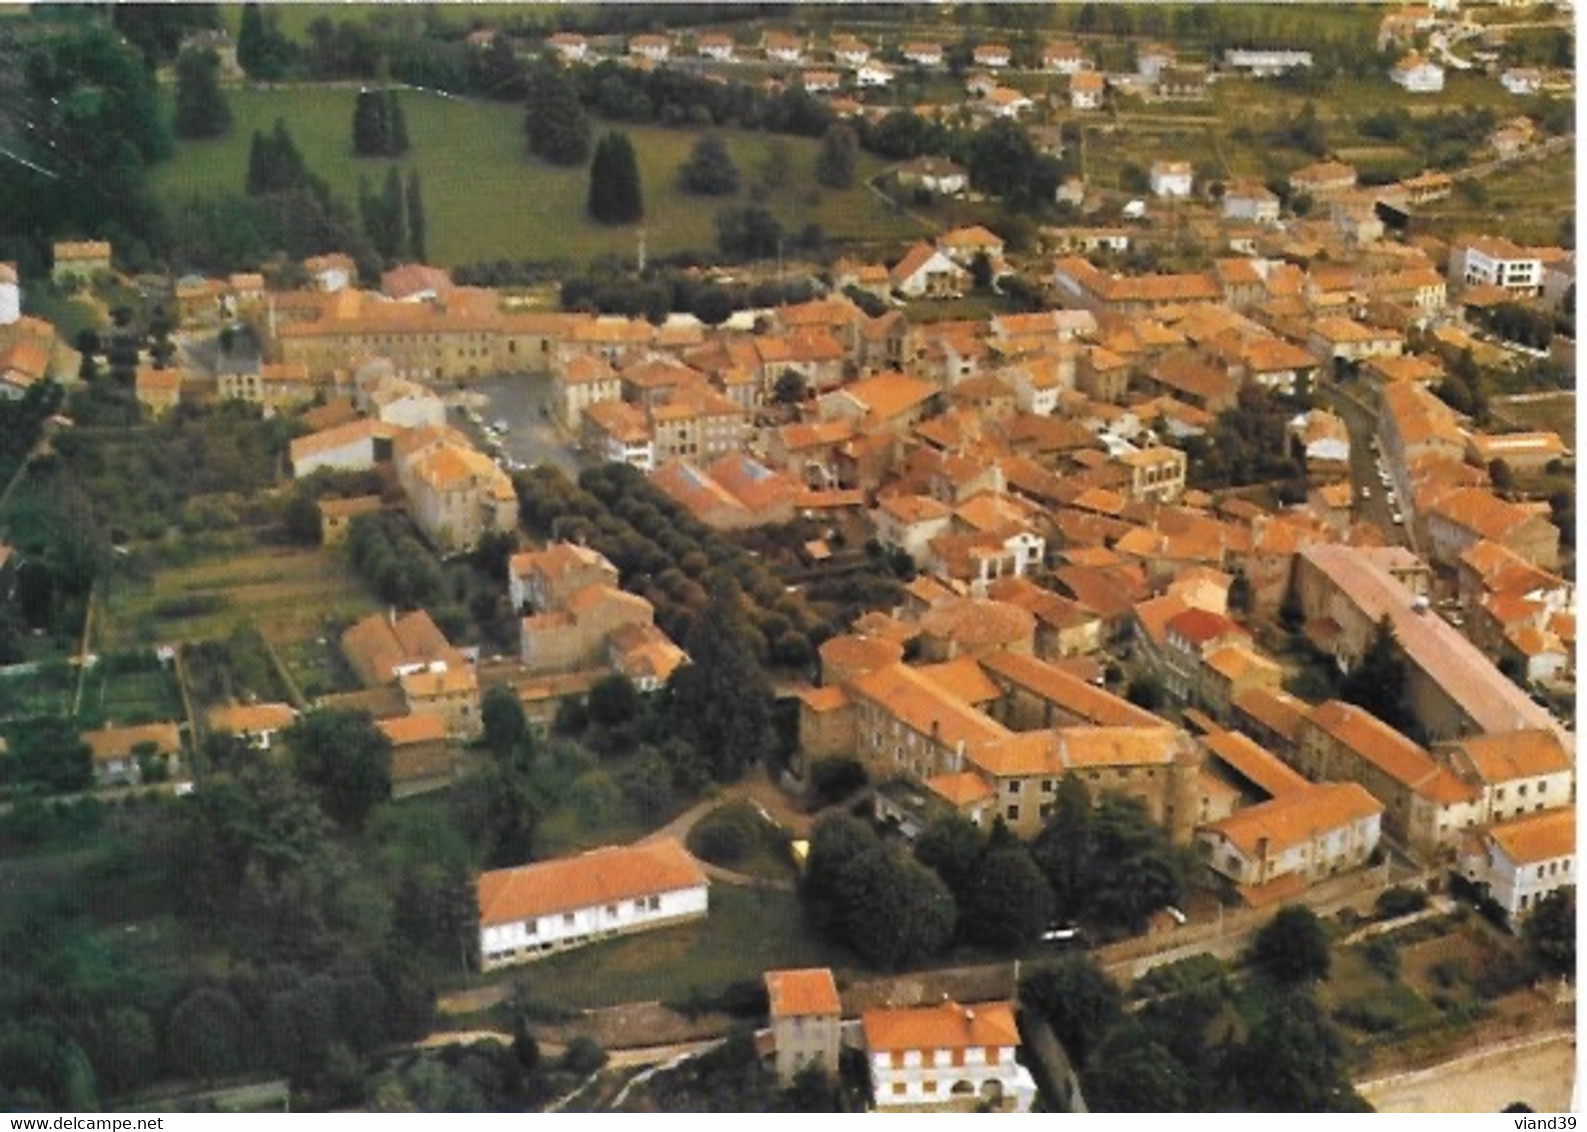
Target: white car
x=1366, y=493
x=1398, y=519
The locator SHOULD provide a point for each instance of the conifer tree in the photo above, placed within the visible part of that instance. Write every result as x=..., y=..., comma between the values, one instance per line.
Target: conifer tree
x=391, y=207
x=201, y=110
x=416, y=224
x=397, y=142
x=615, y=196
x=371, y=130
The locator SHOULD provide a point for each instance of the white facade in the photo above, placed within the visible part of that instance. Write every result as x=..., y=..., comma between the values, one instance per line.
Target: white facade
x=1257, y=208
x=1172, y=179
x=639, y=453
x=1518, y=885
x=1497, y=263
x=929, y=1077
x=1265, y=62
x=1420, y=77
x=1522, y=81
x=873, y=75
x=500, y=944
x=10, y=295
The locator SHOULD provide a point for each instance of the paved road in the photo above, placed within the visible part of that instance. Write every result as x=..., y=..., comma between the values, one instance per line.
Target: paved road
x=1539, y=1070
x=1363, y=425
x=523, y=401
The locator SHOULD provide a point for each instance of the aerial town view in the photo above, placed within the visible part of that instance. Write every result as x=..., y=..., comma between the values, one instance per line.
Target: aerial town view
x=787, y=557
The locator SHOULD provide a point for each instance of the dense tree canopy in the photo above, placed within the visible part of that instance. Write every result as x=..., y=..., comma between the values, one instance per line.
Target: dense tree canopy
x=710, y=170
x=1550, y=932
x=1292, y=947
x=346, y=758
x=721, y=699
x=557, y=127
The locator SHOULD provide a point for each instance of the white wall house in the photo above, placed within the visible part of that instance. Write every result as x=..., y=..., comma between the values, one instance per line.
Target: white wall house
x=10, y=294
x=945, y=1055
x=873, y=75
x=534, y=910
x=1418, y=75
x=1311, y=834
x=1523, y=861
x=1264, y=62
x=1496, y=263
x=1172, y=178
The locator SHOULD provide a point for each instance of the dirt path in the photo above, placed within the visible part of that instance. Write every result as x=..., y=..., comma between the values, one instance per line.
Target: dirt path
x=1540, y=1071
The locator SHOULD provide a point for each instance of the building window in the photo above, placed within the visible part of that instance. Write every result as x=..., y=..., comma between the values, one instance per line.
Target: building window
x=1522, y=790
x=1013, y=787
x=1013, y=813
x=898, y=1088
x=567, y=919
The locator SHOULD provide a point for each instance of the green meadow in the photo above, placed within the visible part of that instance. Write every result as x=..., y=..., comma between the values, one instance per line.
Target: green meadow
x=485, y=199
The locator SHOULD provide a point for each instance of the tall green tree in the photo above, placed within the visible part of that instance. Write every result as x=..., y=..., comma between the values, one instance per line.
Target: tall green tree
x=398, y=142
x=1134, y=869
x=345, y=758
x=371, y=127
x=201, y=109
x=722, y=699
x=615, y=196
x=394, y=210
x=501, y=713
x=555, y=123
x=1063, y=847
x=840, y=147
x=262, y=51
x=418, y=227
x=1378, y=681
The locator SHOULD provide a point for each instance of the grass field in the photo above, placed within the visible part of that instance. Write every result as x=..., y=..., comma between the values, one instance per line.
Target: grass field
x=746, y=933
x=1555, y=414
x=147, y=695
x=288, y=593
x=486, y=200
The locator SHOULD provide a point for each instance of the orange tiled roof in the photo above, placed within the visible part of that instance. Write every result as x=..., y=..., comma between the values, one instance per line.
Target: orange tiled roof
x=804, y=993
x=1540, y=837
x=1296, y=818
x=947, y=1026
x=600, y=876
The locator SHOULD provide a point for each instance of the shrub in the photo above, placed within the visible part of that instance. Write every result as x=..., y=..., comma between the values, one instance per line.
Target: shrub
x=835, y=779
x=1399, y=901
x=726, y=836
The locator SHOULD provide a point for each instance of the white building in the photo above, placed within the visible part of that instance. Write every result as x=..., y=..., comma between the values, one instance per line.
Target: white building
x=1522, y=861
x=570, y=46
x=1064, y=59
x=656, y=48
x=533, y=910
x=873, y=75
x=1250, y=201
x=1172, y=178
x=923, y=54
x=1495, y=262
x=1418, y=75
x=1309, y=834
x=1085, y=90
x=1522, y=80
x=717, y=47
x=10, y=294
x=1264, y=62
x=1518, y=772
x=946, y=1054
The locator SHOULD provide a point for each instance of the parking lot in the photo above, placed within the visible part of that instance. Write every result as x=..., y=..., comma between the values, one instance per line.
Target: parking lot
x=523, y=403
